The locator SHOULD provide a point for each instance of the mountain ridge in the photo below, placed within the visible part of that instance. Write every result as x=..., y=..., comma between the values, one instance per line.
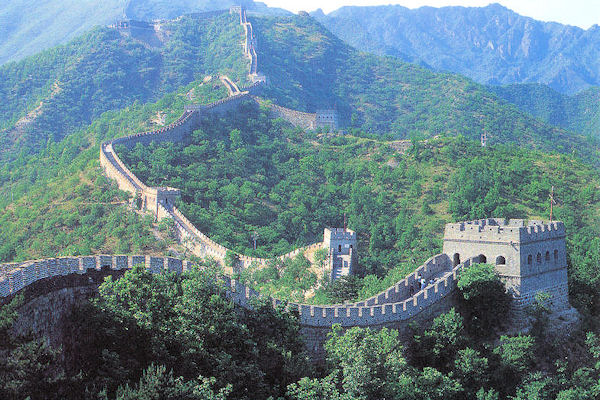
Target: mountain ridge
x=492, y=44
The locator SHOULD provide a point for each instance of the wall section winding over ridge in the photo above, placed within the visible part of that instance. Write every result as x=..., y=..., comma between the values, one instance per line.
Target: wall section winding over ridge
x=160, y=200
x=394, y=307
x=392, y=310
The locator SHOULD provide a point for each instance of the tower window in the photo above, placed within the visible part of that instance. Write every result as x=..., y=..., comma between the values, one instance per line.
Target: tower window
x=555, y=255
x=547, y=257
x=500, y=260
x=529, y=259
x=539, y=258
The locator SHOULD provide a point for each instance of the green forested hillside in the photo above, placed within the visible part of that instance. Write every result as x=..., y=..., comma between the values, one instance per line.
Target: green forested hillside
x=63, y=89
x=54, y=200
x=248, y=174
x=27, y=28
x=166, y=336
x=63, y=205
x=577, y=113
x=309, y=69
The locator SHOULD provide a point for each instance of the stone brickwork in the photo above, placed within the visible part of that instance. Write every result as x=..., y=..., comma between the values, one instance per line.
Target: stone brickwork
x=389, y=311
x=341, y=244
x=529, y=257
x=306, y=121
x=395, y=308
x=408, y=300
x=161, y=201
x=327, y=119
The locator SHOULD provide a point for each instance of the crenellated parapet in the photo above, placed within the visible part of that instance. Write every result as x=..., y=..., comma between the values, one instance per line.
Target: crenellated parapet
x=15, y=277
x=500, y=230
x=431, y=270
x=530, y=256
x=420, y=295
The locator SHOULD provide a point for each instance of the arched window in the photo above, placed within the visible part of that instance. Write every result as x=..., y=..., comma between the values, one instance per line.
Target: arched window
x=456, y=259
x=482, y=259
x=539, y=258
x=340, y=248
x=555, y=255
x=500, y=260
x=547, y=257
x=529, y=259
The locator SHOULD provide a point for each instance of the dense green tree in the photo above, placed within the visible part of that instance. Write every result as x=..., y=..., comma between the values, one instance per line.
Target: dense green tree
x=157, y=384
x=439, y=345
x=485, y=302
x=369, y=363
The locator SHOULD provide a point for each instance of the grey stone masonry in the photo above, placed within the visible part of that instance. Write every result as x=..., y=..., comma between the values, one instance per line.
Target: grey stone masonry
x=327, y=118
x=341, y=244
x=530, y=257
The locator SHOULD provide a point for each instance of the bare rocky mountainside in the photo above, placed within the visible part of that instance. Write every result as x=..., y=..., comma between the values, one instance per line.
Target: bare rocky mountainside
x=492, y=45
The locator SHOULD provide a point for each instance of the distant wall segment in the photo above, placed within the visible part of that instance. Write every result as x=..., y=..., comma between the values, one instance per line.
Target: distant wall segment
x=160, y=200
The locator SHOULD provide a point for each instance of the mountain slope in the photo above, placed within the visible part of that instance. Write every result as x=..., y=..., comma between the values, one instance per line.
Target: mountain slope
x=491, y=45
x=27, y=28
x=309, y=68
x=54, y=93
x=577, y=113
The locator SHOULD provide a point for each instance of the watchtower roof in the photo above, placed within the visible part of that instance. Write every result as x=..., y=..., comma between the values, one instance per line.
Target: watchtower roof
x=498, y=229
x=340, y=233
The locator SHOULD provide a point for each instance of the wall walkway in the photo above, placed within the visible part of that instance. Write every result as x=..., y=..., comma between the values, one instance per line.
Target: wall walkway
x=377, y=311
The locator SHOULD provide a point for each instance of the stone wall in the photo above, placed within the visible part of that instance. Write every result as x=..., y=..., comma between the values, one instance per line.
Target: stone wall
x=299, y=119
x=529, y=257
x=388, y=310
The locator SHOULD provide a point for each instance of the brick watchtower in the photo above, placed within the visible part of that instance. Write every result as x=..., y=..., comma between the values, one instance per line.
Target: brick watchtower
x=341, y=244
x=529, y=257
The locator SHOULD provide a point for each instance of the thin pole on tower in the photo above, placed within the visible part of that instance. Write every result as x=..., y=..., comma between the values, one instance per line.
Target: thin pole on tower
x=552, y=202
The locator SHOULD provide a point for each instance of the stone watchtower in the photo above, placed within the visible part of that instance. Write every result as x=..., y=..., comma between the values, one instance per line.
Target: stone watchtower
x=341, y=244
x=327, y=118
x=529, y=257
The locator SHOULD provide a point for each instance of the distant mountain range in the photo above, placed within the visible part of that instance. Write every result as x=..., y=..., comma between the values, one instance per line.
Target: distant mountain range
x=492, y=45
x=27, y=28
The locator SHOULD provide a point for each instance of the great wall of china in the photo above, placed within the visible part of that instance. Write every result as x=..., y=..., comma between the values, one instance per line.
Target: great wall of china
x=512, y=244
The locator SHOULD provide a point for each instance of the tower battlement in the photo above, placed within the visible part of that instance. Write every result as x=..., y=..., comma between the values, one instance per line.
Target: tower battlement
x=341, y=244
x=339, y=234
x=529, y=256
x=508, y=231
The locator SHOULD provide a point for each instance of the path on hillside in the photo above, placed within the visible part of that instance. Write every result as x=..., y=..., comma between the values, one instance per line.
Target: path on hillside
x=110, y=154
x=232, y=88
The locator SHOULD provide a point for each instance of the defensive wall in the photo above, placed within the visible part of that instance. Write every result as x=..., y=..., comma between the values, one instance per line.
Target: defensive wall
x=18, y=276
x=408, y=300
x=529, y=256
x=161, y=201
x=306, y=121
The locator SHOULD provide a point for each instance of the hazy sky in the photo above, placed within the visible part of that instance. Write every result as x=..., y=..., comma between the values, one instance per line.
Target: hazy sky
x=583, y=13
